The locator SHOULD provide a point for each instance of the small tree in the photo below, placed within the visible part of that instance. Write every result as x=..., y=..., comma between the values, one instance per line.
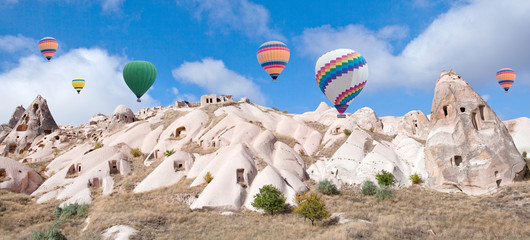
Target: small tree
x=269, y=199
x=384, y=178
x=311, y=206
x=327, y=187
x=415, y=178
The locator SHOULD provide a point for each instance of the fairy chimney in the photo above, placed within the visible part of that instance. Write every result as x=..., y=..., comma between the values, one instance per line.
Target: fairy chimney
x=468, y=148
x=35, y=121
x=121, y=116
x=16, y=116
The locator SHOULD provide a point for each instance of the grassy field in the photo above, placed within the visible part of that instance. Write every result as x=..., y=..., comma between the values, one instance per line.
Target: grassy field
x=413, y=213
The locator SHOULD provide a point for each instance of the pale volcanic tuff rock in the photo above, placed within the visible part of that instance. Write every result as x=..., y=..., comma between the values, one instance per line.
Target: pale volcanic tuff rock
x=36, y=120
x=17, y=177
x=468, y=149
x=121, y=116
x=17, y=114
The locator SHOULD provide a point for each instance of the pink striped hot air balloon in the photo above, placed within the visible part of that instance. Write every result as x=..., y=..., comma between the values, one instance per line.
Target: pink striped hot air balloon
x=273, y=56
x=505, y=78
x=48, y=46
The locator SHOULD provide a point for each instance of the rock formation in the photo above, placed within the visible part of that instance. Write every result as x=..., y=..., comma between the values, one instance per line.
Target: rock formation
x=36, y=120
x=121, y=116
x=16, y=116
x=17, y=177
x=468, y=149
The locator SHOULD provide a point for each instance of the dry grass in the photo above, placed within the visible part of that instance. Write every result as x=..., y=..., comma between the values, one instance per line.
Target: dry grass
x=328, y=152
x=193, y=147
x=411, y=214
x=168, y=118
x=321, y=128
x=290, y=141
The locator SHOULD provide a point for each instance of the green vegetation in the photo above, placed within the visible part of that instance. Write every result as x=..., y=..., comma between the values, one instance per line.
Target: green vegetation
x=347, y=132
x=98, y=145
x=368, y=188
x=384, y=192
x=415, y=178
x=384, y=178
x=269, y=199
x=208, y=177
x=136, y=152
x=311, y=206
x=169, y=152
x=52, y=234
x=70, y=211
x=275, y=109
x=524, y=154
x=327, y=187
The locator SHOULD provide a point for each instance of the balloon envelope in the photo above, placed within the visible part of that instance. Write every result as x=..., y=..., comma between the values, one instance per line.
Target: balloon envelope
x=273, y=56
x=505, y=78
x=78, y=84
x=48, y=46
x=139, y=76
x=341, y=75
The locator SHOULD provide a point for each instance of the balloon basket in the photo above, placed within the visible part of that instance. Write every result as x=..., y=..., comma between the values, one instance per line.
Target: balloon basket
x=138, y=100
x=341, y=115
x=274, y=81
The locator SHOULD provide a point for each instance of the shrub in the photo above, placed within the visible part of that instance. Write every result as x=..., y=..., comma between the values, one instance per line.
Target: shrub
x=372, y=129
x=384, y=192
x=415, y=178
x=368, y=188
x=524, y=154
x=52, y=234
x=269, y=199
x=301, y=151
x=98, y=145
x=70, y=211
x=42, y=167
x=327, y=187
x=384, y=178
x=169, y=152
x=136, y=152
x=311, y=206
x=208, y=177
x=285, y=111
x=275, y=109
x=347, y=132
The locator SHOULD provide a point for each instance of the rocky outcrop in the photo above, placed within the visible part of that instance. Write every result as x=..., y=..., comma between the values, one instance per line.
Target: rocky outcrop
x=17, y=177
x=121, y=116
x=367, y=119
x=17, y=114
x=36, y=120
x=468, y=149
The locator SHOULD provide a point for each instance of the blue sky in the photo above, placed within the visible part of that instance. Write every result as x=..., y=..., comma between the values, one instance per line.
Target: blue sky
x=209, y=46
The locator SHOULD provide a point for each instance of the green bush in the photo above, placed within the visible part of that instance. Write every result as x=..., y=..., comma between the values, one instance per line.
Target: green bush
x=311, y=206
x=70, y=211
x=327, y=187
x=98, y=145
x=368, y=188
x=275, y=109
x=136, y=152
x=208, y=177
x=347, y=132
x=269, y=199
x=384, y=178
x=52, y=234
x=415, y=178
x=384, y=192
x=524, y=154
x=169, y=152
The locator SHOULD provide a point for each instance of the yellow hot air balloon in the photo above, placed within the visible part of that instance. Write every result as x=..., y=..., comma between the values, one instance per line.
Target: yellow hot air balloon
x=78, y=84
x=273, y=56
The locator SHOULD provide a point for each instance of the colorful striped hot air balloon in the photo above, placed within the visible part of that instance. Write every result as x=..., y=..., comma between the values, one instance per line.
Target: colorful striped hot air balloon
x=273, y=57
x=48, y=47
x=78, y=84
x=139, y=76
x=505, y=77
x=341, y=75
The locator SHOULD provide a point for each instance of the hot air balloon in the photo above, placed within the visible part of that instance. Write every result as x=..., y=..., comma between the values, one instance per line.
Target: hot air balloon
x=48, y=47
x=341, y=75
x=78, y=84
x=505, y=77
x=273, y=57
x=139, y=76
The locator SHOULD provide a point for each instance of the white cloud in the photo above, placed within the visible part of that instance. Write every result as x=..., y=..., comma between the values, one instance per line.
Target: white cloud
x=213, y=76
x=18, y=43
x=235, y=15
x=475, y=40
x=104, y=89
x=183, y=96
x=111, y=5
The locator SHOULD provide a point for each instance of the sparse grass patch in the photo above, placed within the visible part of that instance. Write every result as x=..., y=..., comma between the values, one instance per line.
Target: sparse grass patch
x=98, y=145
x=169, y=152
x=136, y=152
x=70, y=211
x=384, y=192
x=52, y=234
x=384, y=178
x=327, y=187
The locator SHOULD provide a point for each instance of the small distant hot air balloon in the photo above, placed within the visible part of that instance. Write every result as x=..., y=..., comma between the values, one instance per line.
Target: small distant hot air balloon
x=273, y=57
x=341, y=75
x=48, y=47
x=139, y=76
x=505, y=77
x=78, y=84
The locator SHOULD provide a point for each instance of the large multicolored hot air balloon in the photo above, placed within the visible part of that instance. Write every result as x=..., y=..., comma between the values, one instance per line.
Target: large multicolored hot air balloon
x=48, y=47
x=78, y=84
x=273, y=57
x=139, y=76
x=341, y=75
x=505, y=77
